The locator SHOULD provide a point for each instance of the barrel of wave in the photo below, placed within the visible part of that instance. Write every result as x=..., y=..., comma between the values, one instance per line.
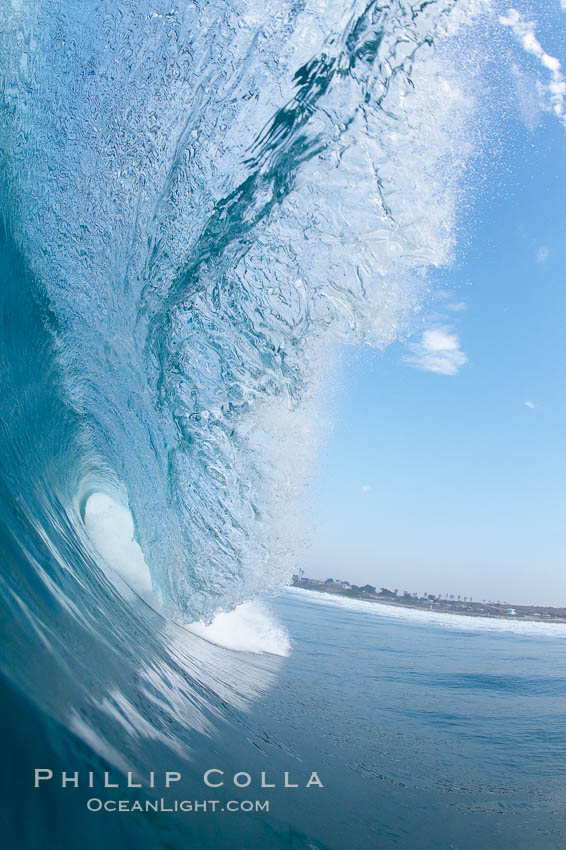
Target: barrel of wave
x=250, y=627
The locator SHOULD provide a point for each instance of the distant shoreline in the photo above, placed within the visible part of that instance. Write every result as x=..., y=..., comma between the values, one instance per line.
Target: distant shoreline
x=463, y=608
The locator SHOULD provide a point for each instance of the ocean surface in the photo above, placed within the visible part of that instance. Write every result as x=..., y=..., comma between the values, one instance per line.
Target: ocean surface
x=425, y=731
x=433, y=731
x=202, y=203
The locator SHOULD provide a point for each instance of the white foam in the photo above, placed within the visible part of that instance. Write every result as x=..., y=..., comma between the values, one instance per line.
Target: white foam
x=461, y=622
x=251, y=627
x=110, y=526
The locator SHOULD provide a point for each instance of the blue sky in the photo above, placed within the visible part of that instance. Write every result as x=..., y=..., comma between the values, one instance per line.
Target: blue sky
x=456, y=483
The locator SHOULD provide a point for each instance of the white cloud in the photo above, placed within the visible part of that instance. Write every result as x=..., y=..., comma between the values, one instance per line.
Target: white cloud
x=542, y=254
x=438, y=351
x=529, y=404
x=456, y=307
x=366, y=488
x=524, y=32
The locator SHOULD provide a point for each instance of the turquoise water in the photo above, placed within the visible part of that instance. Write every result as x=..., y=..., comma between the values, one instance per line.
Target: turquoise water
x=433, y=732
x=424, y=733
x=201, y=203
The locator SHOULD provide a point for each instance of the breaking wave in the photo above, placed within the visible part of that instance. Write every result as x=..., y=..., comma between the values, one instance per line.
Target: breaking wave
x=202, y=203
x=208, y=198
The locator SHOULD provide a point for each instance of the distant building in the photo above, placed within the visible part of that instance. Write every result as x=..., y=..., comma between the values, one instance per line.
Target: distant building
x=368, y=588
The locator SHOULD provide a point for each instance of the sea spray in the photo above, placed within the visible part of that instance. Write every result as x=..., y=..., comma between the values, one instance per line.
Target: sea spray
x=205, y=243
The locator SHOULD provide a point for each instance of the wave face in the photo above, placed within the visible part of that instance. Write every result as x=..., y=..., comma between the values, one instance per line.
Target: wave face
x=201, y=203
x=206, y=198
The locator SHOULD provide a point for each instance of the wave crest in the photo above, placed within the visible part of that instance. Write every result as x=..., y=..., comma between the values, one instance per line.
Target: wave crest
x=279, y=179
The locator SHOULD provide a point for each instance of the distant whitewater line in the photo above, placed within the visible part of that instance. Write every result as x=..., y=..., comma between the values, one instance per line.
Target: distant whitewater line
x=431, y=601
x=426, y=617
